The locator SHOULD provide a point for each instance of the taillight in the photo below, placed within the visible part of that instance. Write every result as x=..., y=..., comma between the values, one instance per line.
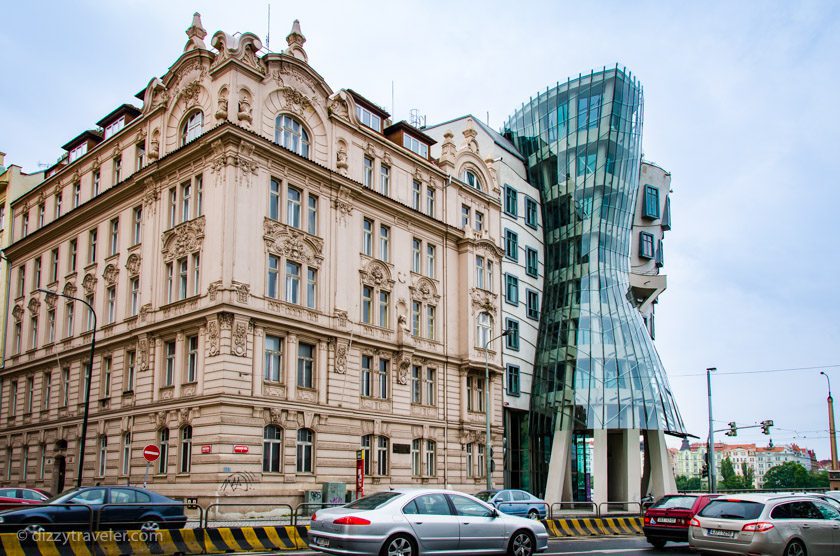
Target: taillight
x=647, y=520
x=757, y=527
x=351, y=520
x=694, y=522
x=313, y=516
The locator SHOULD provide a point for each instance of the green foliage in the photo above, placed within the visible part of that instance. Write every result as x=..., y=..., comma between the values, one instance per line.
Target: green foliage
x=688, y=483
x=729, y=480
x=793, y=475
x=747, y=476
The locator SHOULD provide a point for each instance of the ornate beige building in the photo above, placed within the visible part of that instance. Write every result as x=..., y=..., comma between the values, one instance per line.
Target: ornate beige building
x=280, y=277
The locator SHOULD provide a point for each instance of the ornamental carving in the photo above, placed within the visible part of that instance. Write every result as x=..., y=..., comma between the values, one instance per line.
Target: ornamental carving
x=154, y=145
x=212, y=338
x=89, y=284
x=69, y=289
x=183, y=239
x=185, y=416
x=226, y=320
x=295, y=100
x=338, y=106
x=403, y=364
x=292, y=244
x=243, y=292
x=222, y=104
x=213, y=289
x=424, y=290
x=52, y=300
x=341, y=158
x=34, y=306
x=341, y=318
x=483, y=301
x=17, y=312
x=145, y=310
x=143, y=352
x=160, y=419
x=132, y=264
x=377, y=274
x=242, y=48
x=110, y=274
x=240, y=331
x=341, y=357
x=150, y=192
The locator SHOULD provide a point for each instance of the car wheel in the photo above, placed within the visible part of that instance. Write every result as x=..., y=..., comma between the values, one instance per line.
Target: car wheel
x=34, y=528
x=521, y=544
x=795, y=548
x=657, y=543
x=399, y=545
x=533, y=514
x=150, y=526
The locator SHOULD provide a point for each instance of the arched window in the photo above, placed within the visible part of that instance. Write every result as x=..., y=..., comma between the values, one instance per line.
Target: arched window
x=304, y=451
x=186, y=449
x=289, y=133
x=471, y=179
x=193, y=126
x=482, y=329
x=272, y=449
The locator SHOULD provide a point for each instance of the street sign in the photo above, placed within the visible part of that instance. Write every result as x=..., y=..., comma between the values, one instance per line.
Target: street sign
x=360, y=474
x=151, y=453
x=240, y=449
x=206, y=449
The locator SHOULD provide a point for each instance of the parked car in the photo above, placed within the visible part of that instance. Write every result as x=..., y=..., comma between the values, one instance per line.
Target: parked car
x=776, y=525
x=105, y=507
x=667, y=519
x=14, y=497
x=833, y=494
x=423, y=521
x=515, y=502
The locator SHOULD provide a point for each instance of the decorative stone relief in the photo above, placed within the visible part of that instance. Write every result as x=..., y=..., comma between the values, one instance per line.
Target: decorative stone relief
x=403, y=364
x=337, y=106
x=195, y=35
x=423, y=289
x=110, y=274
x=375, y=273
x=143, y=352
x=341, y=158
x=213, y=289
x=243, y=292
x=483, y=301
x=212, y=338
x=145, y=311
x=132, y=264
x=151, y=193
x=222, y=104
x=244, y=112
x=226, y=320
x=242, y=48
x=240, y=339
x=154, y=145
x=17, y=312
x=89, y=284
x=183, y=239
x=292, y=244
x=52, y=300
x=341, y=356
x=185, y=416
x=34, y=306
x=70, y=289
x=341, y=318
x=160, y=419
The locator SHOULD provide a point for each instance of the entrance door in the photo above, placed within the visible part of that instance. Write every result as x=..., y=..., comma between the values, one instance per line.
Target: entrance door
x=60, y=470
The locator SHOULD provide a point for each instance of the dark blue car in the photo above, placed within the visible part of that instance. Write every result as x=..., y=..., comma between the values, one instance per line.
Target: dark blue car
x=102, y=507
x=515, y=502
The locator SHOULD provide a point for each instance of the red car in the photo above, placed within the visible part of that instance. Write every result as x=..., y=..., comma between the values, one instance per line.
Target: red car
x=668, y=519
x=11, y=498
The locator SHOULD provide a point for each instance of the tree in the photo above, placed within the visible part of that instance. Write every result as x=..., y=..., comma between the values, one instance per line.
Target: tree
x=787, y=475
x=818, y=479
x=728, y=478
x=688, y=483
x=747, y=476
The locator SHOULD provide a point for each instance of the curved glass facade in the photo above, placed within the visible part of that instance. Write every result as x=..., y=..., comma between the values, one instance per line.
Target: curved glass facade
x=596, y=366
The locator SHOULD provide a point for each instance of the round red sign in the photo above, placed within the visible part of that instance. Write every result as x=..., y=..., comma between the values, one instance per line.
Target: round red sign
x=151, y=452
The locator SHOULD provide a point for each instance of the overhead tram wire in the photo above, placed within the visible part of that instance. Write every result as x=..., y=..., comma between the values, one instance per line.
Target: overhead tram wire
x=761, y=371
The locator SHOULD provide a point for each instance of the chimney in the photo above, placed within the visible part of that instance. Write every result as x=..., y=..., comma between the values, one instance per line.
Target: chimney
x=2, y=161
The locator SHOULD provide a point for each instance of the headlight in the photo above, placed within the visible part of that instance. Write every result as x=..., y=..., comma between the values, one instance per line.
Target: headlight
x=1, y=519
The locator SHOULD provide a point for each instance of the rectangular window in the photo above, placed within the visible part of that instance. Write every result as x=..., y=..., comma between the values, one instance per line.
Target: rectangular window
x=532, y=262
x=651, y=202
x=54, y=265
x=42, y=209
x=196, y=268
x=413, y=144
x=465, y=216
x=74, y=247
x=135, y=297
x=382, y=379
x=111, y=312
x=273, y=367
x=199, y=195
x=130, y=367
x=511, y=289
x=384, y=242
x=57, y=207
x=37, y=277
x=272, y=279
x=430, y=458
x=511, y=245
x=68, y=316
x=416, y=192
x=3, y=214
x=586, y=163
x=117, y=169
x=416, y=386
x=312, y=215
x=115, y=236
x=140, y=155
x=46, y=396
x=186, y=201
x=512, y=339
x=106, y=377
x=50, y=326
x=430, y=201
x=169, y=371
x=114, y=127
x=311, y=287
x=33, y=344
x=479, y=272
x=18, y=337
x=416, y=254
x=415, y=457
x=292, y=282
x=646, y=245
x=367, y=237
x=65, y=386
x=588, y=111
x=90, y=314
x=368, y=177
x=305, y=365
x=173, y=206
x=192, y=358
x=97, y=182
x=183, y=274
x=415, y=318
x=92, y=246
x=77, y=194
x=13, y=396
x=21, y=285
x=367, y=304
x=532, y=299
x=293, y=200
x=510, y=201
x=429, y=385
x=30, y=394
x=274, y=200
x=430, y=322
x=384, y=309
x=368, y=118
x=478, y=223
x=25, y=224
x=384, y=179
x=430, y=260
x=366, y=378
x=126, y=454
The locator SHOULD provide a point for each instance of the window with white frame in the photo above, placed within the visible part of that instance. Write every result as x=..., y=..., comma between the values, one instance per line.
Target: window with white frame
x=273, y=365
x=96, y=182
x=186, y=449
x=169, y=363
x=306, y=365
x=42, y=210
x=367, y=177
x=375, y=378
x=72, y=255
x=304, y=451
x=471, y=178
x=56, y=207
x=103, y=456
x=114, y=127
x=125, y=468
x=130, y=369
x=368, y=118
x=423, y=385
x=384, y=179
x=290, y=133
x=415, y=145
x=367, y=237
x=430, y=201
x=54, y=265
x=92, y=236
x=77, y=194
x=475, y=393
x=376, y=452
x=77, y=152
x=192, y=127
x=117, y=165
x=416, y=193
x=384, y=242
x=65, y=386
x=111, y=304
x=192, y=359
x=183, y=276
x=134, y=296
x=272, y=449
x=107, y=372
x=483, y=326
x=163, y=446
x=46, y=391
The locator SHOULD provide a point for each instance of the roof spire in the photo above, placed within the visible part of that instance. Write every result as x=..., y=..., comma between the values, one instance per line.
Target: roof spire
x=295, y=40
x=195, y=34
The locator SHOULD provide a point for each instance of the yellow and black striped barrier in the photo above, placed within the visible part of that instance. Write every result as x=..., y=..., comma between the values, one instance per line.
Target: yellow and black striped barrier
x=593, y=526
x=248, y=539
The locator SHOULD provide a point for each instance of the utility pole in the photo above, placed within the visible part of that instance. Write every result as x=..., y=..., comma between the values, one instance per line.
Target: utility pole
x=831, y=433
x=711, y=452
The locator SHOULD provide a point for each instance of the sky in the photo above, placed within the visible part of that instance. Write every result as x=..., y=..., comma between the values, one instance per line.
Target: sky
x=739, y=106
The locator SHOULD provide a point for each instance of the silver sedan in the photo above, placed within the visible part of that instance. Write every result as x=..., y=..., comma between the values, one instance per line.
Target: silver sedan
x=409, y=522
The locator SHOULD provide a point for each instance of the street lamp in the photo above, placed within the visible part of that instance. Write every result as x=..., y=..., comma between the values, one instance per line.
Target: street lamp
x=487, y=408
x=711, y=450
x=88, y=373
x=832, y=437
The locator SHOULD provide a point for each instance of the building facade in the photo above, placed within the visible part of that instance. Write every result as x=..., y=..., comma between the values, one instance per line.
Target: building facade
x=520, y=285
x=597, y=372
x=280, y=277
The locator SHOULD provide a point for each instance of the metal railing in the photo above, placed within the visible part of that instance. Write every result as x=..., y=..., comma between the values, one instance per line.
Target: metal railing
x=213, y=517
x=546, y=505
x=624, y=503
x=575, y=506
x=146, y=517
x=296, y=514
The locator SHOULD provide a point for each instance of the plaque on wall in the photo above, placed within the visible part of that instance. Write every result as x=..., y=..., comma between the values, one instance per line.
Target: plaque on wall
x=402, y=448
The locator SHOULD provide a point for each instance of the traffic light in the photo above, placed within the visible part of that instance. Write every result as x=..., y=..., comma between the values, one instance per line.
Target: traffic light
x=704, y=471
x=765, y=426
x=733, y=429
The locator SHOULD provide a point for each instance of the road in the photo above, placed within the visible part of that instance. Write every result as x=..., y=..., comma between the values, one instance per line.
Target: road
x=597, y=545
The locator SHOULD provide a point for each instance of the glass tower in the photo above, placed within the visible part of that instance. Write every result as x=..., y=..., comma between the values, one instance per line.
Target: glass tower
x=596, y=366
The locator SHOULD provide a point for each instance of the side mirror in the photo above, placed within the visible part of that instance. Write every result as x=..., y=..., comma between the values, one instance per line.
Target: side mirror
x=495, y=513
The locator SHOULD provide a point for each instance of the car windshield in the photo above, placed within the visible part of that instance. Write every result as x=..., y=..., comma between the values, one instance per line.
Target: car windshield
x=373, y=501
x=732, y=509
x=60, y=498
x=485, y=495
x=675, y=503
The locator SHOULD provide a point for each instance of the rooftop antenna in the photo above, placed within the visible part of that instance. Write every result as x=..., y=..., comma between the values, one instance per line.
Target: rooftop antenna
x=416, y=119
x=268, y=30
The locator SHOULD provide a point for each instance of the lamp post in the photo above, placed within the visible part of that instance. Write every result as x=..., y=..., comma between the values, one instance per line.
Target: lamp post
x=711, y=452
x=487, y=408
x=88, y=373
x=831, y=434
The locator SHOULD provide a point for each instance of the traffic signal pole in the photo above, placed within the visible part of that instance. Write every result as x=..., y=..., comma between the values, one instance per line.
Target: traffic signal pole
x=711, y=451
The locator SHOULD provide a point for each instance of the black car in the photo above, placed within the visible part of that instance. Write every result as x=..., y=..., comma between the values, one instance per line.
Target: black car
x=100, y=507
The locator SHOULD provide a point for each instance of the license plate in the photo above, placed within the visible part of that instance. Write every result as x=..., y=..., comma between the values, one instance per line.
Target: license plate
x=321, y=541
x=720, y=533
x=666, y=520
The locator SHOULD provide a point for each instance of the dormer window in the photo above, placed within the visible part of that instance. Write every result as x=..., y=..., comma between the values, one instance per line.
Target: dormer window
x=471, y=179
x=369, y=119
x=415, y=145
x=78, y=152
x=192, y=127
x=290, y=133
x=114, y=127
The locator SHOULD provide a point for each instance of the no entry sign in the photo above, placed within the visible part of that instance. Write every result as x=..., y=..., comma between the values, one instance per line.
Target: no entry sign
x=151, y=452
